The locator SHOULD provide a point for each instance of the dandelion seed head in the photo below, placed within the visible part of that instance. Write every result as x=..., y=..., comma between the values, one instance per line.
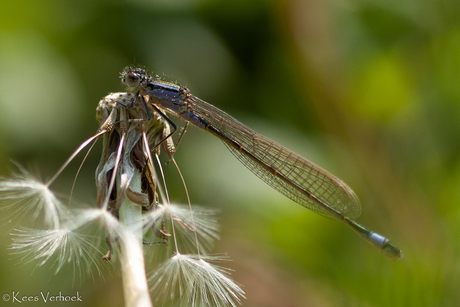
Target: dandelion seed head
x=125, y=175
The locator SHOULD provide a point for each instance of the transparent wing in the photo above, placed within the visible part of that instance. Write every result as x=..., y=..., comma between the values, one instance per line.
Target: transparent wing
x=299, y=172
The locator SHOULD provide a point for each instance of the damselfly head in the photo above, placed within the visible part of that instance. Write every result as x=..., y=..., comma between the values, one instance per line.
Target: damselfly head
x=132, y=77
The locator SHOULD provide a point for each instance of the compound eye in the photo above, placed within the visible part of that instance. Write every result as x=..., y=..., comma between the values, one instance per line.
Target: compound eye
x=132, y=79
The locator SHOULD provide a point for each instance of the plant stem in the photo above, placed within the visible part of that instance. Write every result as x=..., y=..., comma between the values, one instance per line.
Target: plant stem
x=136, y=290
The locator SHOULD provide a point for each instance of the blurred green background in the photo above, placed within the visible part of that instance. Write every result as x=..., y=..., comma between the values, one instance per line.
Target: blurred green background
x=368, y=89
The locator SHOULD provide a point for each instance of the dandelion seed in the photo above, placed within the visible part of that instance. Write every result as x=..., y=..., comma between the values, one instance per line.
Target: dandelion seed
x=28, y=198
x=66, y=244
x=100, y=218
x=201, y=220
x=197, y=282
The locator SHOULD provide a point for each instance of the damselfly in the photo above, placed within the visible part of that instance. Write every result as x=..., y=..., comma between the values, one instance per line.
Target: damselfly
x=290, y=174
